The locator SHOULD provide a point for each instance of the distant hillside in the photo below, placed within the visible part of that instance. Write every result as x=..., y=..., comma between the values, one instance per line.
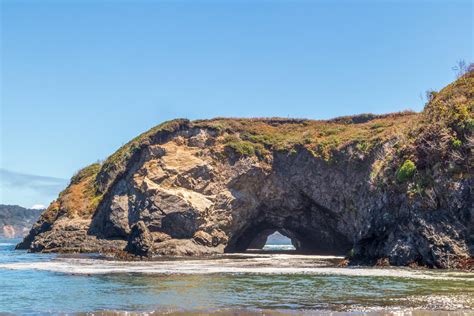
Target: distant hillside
x=15, y=221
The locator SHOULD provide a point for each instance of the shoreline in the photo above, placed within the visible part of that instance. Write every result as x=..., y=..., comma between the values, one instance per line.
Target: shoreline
x=230, y=264
x=281, y=312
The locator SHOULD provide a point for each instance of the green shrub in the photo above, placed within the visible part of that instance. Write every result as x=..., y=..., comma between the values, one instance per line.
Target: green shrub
x=244, y=148
x=265, y=139
x=231, y=138
x=362, y=146
x=406, y=171
x=377, y=125
x=456, y=142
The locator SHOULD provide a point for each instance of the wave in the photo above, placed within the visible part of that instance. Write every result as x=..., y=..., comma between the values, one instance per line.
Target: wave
x=248, y=264
x=279, y=247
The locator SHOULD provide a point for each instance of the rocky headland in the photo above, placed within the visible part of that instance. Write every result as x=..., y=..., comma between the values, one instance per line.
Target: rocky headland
x=395, y=187
x=16, y=221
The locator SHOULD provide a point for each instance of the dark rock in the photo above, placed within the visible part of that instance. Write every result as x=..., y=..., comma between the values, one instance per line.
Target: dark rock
x=140, y=241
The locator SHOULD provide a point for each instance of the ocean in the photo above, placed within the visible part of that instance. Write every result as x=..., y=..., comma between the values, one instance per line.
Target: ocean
x=260, y=283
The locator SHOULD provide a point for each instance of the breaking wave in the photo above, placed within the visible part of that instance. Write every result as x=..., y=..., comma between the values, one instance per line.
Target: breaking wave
x=230, y=264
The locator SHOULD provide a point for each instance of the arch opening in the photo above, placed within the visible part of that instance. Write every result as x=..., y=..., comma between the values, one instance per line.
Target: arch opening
x=272, y=239
x=308, y=231
x=275, y=241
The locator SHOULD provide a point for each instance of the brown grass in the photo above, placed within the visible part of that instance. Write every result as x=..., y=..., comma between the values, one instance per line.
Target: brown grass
x=320, y=137
x=81, y=198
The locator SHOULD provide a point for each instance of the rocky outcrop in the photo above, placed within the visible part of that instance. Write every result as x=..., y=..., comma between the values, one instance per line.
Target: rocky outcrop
x=333, y=187
x=140, y=240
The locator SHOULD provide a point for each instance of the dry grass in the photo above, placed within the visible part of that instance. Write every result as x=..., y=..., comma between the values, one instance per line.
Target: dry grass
x=453, y=106
x=81, y=198
x=254, y=136
x=438, y=144
x=127, y=150
x=50, y=214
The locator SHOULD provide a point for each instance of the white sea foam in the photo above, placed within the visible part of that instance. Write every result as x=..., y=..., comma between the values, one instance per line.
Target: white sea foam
x=6, y=244
x=251, y=263
x=279, y=247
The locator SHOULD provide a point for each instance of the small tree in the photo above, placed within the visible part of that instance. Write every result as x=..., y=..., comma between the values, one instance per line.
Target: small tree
x=461, y=68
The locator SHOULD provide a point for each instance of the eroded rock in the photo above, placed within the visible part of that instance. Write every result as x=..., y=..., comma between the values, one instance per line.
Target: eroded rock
x=140, y=240
x=207, y=187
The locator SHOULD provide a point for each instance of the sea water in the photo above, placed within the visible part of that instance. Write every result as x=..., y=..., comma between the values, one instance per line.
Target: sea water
x=246, y=284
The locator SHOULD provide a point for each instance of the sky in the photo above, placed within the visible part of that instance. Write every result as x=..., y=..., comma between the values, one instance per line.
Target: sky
x=81, y=78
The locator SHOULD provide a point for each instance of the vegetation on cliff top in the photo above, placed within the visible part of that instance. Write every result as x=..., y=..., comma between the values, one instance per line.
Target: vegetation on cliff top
x=453, y=106
x=322, y=138
x=127, y=150
x=437, y=149
x=442, y=133
x=80, y=198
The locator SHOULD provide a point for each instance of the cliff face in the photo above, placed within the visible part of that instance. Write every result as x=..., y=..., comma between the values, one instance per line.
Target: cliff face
x=15, y=221
x=394, y=186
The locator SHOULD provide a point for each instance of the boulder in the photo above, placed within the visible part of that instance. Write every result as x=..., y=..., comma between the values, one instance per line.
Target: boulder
x=140, y=241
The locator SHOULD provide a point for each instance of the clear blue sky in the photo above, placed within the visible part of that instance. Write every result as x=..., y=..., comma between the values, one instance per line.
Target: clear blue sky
x=80, y=78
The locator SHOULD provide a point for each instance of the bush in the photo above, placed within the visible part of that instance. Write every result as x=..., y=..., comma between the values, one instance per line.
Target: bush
x=243, y=148
x=362, y=146
x=406, y=171
x=456, y=142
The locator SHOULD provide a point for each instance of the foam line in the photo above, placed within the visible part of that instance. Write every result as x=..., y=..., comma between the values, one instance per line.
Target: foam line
x=265, y=264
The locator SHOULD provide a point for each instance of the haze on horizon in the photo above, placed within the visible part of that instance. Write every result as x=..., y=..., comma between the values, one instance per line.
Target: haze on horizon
x=81, y=78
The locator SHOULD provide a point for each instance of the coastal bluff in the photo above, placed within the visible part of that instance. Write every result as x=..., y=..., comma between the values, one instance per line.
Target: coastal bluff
x=395, y=188
x=16, y=221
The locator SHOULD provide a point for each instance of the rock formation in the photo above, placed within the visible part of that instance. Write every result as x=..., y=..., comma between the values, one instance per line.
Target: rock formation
x=396, y=187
